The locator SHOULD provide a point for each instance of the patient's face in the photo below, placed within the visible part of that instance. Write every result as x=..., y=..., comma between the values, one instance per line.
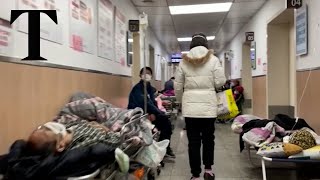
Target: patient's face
x=42, y=138
x=44, y=135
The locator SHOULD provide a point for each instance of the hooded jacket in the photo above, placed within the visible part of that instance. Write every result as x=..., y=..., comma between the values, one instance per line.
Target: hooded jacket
x=197, y=77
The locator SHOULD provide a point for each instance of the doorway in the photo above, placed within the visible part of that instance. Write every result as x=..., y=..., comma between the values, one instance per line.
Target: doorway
x=281, y=84
x=246, y=78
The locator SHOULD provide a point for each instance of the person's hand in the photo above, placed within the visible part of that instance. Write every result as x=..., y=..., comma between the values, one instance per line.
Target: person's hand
x=97, y=125
x=93, y=123
x=152, y=117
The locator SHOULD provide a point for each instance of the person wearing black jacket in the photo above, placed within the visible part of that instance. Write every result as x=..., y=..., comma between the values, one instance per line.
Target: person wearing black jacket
x=158, y=118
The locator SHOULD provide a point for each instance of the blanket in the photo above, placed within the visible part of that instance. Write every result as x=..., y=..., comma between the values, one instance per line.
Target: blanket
x=259, y=137
x=83, y=106
x=78, y=162
x=262, y=129
x=239, y=121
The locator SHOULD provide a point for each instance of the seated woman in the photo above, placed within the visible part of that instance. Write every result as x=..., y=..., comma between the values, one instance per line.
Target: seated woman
x=158, y=117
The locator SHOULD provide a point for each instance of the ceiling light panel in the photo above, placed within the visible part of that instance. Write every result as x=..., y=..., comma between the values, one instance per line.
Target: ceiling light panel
x=186, y=39
x=200, y=8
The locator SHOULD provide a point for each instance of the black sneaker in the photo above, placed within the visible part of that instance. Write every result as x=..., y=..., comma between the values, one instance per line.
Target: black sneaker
x=208, y=176
x=170, y=153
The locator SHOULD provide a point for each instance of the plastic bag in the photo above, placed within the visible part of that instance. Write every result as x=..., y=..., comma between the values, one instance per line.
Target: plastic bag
x=227, y=107
x=152, y=155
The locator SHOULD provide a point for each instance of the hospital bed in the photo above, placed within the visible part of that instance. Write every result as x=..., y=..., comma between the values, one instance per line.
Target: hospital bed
x=264, y=160
x=108, y=172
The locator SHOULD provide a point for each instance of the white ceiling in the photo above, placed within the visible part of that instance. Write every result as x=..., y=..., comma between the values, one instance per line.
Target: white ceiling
x=223, y=25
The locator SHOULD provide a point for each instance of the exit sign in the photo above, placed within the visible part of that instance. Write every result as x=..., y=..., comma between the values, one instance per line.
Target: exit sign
x=294, y=4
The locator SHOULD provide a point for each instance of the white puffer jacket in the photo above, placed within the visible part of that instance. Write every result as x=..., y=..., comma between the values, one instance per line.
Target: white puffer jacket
x=197, y=76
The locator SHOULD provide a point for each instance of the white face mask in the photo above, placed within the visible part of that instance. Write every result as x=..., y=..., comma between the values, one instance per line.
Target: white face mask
x=56, y=128
x=148, y=77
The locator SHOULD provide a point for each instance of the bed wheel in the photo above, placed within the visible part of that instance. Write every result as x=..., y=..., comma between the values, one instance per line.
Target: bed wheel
x=162, y=164
x=158, y=171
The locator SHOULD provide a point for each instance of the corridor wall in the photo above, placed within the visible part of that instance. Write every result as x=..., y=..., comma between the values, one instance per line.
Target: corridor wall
x=258, y=24
x=33, y=94
x=309, y=107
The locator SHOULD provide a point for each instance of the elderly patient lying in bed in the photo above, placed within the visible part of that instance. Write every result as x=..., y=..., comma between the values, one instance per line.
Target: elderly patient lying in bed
x=56, y=137
x=54, y=149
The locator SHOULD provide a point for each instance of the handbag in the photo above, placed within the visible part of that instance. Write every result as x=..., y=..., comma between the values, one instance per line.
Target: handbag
x=227, y=107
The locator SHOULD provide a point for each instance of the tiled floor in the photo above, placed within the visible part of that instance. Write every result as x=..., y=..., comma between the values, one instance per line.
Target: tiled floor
x=230, y=164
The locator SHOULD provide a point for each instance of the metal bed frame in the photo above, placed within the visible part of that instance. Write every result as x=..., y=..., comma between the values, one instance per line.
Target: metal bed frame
x=284, y=160
x=108, y=172
x=105, y=172
x=276, y=160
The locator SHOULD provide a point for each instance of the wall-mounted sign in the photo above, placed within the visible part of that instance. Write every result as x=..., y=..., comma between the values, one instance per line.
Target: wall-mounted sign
x=265, y=68
x=249, y=36
x=253, y=55
x=302, y=31
x=134, y=25
x=294, y=4
x=176, y=58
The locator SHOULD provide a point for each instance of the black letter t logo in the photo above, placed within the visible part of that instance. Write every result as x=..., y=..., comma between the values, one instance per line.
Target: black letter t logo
x=34, y=29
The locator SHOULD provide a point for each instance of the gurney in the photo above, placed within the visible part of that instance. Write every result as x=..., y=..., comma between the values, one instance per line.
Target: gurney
x=284, y=160
x=109, y=171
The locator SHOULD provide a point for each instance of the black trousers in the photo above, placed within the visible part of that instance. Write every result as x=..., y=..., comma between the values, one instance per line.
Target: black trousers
x=163, y=124
x=200, y=130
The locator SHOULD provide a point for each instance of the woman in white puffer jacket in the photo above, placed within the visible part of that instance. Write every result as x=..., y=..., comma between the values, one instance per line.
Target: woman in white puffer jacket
x=197, y=77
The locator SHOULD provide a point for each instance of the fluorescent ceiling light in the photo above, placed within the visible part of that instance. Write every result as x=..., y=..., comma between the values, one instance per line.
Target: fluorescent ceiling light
x=130, y=40
x=200, y=8
x=184, y=52
x=130, y=52
x=186, y=39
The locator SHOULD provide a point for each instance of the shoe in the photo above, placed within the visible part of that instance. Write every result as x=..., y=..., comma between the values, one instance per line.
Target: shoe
x=194, y=178
x=208, y=176
x=170, y=153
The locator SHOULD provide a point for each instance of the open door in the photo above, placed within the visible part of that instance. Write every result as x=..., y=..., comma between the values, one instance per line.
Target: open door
x=246, y=78
x=281, y=84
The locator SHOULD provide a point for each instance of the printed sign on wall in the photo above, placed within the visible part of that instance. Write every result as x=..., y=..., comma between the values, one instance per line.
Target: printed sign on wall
x=5, y=37
x=48, y=29
x=120, y=38
x=302, y=31
x=81, y=25
x=105, y=29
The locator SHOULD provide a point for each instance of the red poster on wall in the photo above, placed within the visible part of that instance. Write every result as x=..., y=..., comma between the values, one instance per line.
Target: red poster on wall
x=259, y=61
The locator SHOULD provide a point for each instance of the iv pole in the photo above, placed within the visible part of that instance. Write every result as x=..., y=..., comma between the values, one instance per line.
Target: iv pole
x=144, y=23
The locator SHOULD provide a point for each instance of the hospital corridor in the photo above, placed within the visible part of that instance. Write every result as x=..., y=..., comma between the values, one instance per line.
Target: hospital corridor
x=159, y=89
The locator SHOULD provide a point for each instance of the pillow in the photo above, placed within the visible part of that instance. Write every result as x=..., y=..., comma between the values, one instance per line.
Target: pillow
x=303, y=139
x=272, y=150
x=291, y=149
x=279, y=150
x=315, y=135
x=312, y=153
